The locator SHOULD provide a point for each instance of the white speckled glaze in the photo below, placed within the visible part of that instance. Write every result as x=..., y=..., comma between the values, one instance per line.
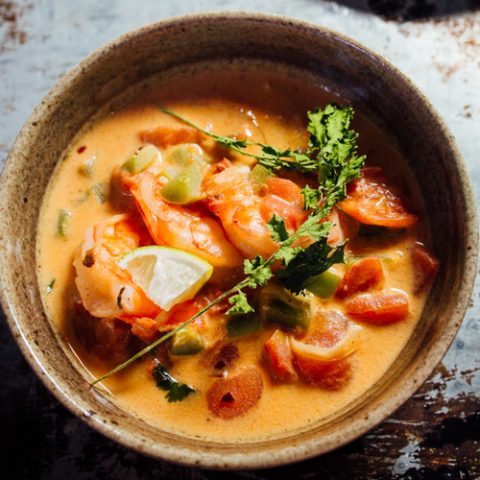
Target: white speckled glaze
x=370, y=83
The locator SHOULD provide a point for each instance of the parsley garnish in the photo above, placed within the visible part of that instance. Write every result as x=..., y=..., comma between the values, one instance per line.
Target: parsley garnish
x=271, y=157
x=176, y=391
x=315, y=259
x=331, y=154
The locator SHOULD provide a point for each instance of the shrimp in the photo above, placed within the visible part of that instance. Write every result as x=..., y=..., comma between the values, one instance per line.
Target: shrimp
x=105, y=289
x=190, y=228
x=244, y=208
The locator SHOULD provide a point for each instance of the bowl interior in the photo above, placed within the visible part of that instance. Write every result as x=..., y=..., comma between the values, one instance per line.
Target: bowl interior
x=369, y=83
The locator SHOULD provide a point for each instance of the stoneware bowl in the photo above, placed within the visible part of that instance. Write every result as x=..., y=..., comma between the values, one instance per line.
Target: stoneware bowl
x=372, y=85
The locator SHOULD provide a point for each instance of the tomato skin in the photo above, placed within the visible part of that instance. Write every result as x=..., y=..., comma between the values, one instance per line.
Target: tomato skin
x=283, y=197
x=333, y=375
x=378, y=308
x=286, y=189
x=372, y=202
x=182, y=312
x=425, y=266
x=292, y=215
x=330, y=376
x=144, y=328
x=234, y=396
x=166, y=136
x=364, y=275
x=279, y=357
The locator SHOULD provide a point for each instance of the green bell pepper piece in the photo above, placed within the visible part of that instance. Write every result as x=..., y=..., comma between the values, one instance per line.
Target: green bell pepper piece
x=145, y=157
x=187, y=342
x=240, y=325
x=324, y=284
x=278, y=305
x=185, y=187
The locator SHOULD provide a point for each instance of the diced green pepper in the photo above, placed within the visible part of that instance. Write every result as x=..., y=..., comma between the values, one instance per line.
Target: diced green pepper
x=185, y=187
x=101, y=192
x=278, y=305
x=86, y=168
x=324, y=284
x=187, y=342
x=240, y=325
x=145, y=157
x=259, y=175
x=186, y=154
x=63, y=222
x=50, y=286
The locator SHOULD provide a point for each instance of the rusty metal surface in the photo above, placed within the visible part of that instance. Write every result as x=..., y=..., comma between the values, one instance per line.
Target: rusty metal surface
x=436, y=434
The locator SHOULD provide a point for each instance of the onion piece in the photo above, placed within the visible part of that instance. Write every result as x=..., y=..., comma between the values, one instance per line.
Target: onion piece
x=342, y=349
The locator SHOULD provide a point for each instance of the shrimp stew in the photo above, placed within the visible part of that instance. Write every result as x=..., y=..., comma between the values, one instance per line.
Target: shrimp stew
x=225, y=229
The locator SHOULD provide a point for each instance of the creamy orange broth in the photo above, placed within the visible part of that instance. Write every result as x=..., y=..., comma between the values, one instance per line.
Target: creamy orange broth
x=267, y=107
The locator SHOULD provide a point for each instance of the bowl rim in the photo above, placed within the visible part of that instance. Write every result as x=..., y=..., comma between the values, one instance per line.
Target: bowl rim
x=314, y=447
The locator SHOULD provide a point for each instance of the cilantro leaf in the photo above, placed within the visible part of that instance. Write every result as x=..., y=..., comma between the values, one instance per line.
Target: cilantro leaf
x=175, y=391
x=311, y=197
x=275, y=159
x=178, y=391
x=313, y=228
x=258, y=270
x=287, y=254
x=328, y=125
x=229, y=142
x=331, y=154
x=277, y=229
x=315, y=259
x=239, y=303
x=334, y=147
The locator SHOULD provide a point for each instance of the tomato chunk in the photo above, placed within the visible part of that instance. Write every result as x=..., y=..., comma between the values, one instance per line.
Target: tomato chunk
x=279, y=357
x=332, y=375
x=165, y=136
x=286, y=189
x=378, y=308
x=182, y=312
x=371, y=201
x=283, y=198
x=364, y=275
x=107, y=339
x=144, y=328
x=425, y=266
x=234, y=396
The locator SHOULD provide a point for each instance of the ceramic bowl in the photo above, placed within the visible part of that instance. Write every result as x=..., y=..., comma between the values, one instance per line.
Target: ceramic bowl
x=372, y=85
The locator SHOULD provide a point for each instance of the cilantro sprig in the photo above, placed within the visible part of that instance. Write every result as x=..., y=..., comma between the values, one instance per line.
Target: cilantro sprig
x=176, y=391
x=270, y=157
x=331, y=154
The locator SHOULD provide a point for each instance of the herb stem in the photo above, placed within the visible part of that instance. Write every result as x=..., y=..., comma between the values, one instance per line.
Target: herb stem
x=235, y=289
x=331, y=152
x=217, y=138
x=160, y=340
x=228, y=142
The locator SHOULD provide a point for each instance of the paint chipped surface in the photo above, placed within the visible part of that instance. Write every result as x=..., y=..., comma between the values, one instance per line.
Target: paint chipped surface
x=408, y=457
x=436, y=434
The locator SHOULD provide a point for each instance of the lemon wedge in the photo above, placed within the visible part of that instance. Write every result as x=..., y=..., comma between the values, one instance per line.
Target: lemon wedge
x=167, y=275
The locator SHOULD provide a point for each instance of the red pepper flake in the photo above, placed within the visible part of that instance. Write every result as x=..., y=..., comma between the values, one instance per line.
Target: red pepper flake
x=81, y=149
